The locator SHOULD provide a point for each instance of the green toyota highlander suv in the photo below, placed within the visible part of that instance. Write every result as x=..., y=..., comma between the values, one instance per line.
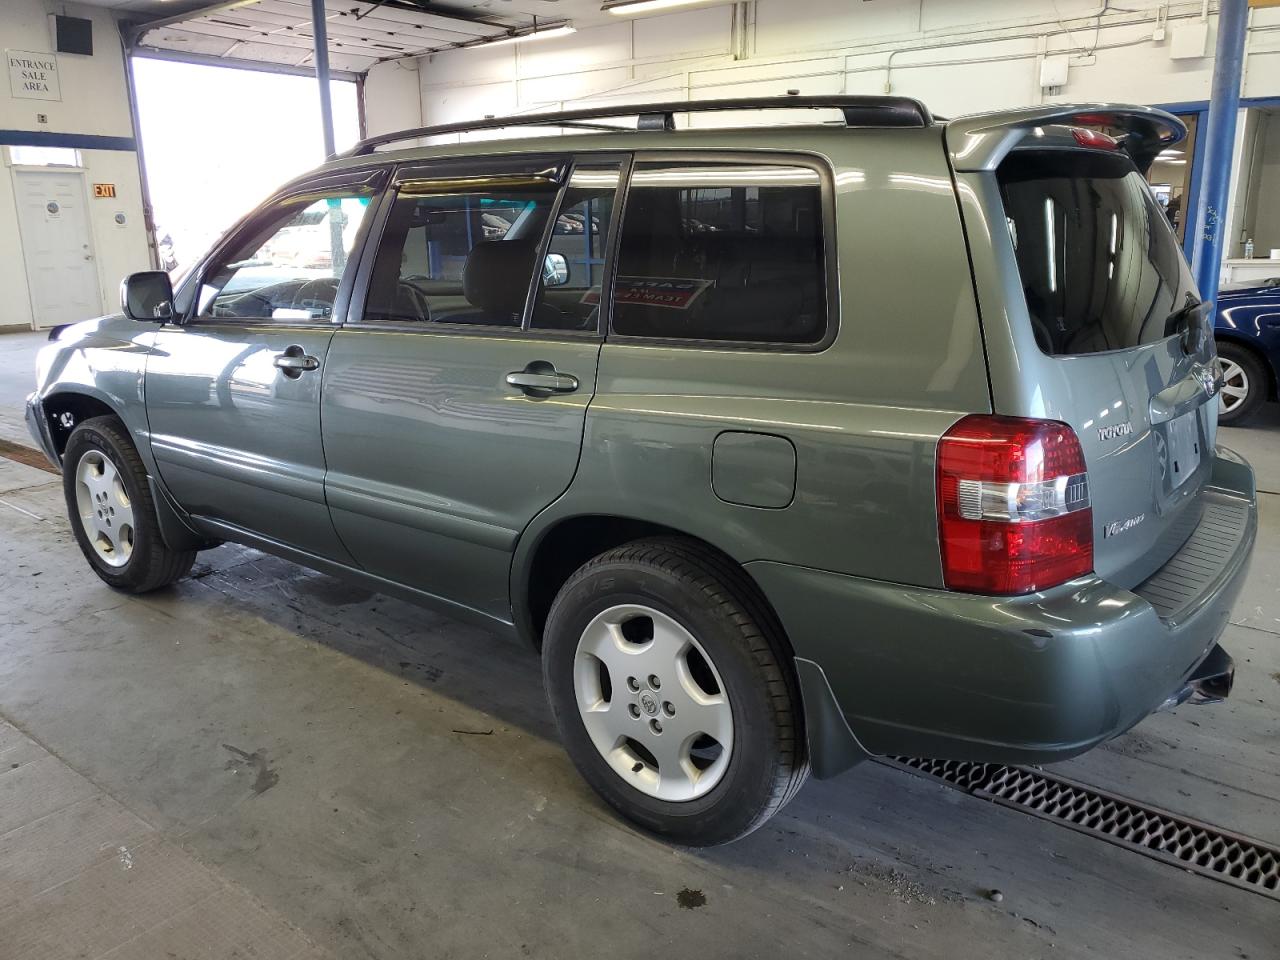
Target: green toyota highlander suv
x=785, y=445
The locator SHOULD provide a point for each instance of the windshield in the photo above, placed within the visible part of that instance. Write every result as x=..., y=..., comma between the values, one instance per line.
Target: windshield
x=1100, y=266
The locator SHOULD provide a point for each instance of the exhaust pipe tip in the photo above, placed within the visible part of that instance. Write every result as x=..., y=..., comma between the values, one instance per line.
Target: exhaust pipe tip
x=1210, y=682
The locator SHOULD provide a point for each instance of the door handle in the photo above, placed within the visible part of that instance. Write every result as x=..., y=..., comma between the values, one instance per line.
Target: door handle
x=541, y=378
x=294, y=362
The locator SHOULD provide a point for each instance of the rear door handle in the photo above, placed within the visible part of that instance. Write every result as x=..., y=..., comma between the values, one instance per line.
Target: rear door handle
x=541, y=378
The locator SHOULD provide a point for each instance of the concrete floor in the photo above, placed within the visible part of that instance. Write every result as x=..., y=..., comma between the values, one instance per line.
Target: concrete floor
x=17, y=379
x=267, y=762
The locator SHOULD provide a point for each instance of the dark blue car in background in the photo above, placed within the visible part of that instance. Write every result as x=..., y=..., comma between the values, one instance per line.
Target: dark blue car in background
x=1247, y=330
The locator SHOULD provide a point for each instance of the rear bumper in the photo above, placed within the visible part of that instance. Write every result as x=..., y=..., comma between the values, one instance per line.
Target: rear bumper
x=38, y=427
x=923, y=672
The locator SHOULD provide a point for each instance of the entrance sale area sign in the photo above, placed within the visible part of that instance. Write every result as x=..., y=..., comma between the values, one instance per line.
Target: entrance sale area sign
x=33, y=76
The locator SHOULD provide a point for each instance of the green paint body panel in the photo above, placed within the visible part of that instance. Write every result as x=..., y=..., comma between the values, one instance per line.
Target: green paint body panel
x=1028, y=679
x=753, y=469
x=408, y=462
x=233, y=438
x=474, y=460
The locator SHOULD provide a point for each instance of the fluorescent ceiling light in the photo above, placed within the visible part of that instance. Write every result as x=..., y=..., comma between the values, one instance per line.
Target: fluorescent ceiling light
x=628, y=8
x=561, y=31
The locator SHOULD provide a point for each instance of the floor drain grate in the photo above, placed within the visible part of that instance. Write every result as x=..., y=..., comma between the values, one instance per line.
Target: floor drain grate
x=1190, y=844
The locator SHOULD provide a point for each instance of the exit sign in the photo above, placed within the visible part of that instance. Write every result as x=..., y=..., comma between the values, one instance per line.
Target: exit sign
x=104, y=191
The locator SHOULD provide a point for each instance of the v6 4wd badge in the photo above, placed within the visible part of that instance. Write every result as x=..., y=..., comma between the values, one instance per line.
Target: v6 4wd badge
x=1117, y=527
x=1115, y=430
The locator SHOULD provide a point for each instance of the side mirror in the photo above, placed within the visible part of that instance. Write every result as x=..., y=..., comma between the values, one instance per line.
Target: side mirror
x=147, y=296
x=555, y=270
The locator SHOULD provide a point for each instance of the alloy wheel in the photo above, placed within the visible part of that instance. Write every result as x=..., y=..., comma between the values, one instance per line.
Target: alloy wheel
x=1235, y=385
x=106, y=512
x=653, y=703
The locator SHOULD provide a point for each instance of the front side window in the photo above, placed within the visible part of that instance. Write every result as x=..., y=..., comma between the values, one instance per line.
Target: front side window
x=722, y=252
x=289, y=266
x=450, y=254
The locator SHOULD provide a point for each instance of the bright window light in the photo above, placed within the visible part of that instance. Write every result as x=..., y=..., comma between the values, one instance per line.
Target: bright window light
x=44, y=157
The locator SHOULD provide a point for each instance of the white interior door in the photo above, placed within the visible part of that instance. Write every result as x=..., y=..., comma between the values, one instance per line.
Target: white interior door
x=57, y=246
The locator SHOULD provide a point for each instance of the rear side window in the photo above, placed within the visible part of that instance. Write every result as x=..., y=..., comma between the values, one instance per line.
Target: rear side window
x=573, y=269
x=722, y=252
x=1100, y=266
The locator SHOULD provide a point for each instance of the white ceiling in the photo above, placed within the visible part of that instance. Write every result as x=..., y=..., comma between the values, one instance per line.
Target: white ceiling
x=361, y=32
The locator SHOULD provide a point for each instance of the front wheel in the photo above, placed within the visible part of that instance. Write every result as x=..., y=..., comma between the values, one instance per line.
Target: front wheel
x=111, y=511
x=672, y=691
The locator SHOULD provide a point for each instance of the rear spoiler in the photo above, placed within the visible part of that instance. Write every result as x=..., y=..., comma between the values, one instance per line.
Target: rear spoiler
x=979, y=142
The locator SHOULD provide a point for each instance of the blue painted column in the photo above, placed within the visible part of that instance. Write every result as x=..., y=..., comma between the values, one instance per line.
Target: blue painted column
x=337, y=219
x=320, y=33
x=1220, y=142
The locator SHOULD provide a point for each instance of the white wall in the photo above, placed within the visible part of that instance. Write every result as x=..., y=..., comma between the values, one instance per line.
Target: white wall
x=957, y=57
x=393, y=97
x=94, y=101
x=1265, y=225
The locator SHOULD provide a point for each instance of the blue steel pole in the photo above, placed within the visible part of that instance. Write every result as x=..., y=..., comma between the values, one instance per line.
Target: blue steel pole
x=337, y=218
x=1220, y=142
x=320, y=33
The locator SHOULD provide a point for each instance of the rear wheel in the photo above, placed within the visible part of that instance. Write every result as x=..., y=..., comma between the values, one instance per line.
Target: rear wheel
x=111, y=511
x=672, y=693
x=1244, y=384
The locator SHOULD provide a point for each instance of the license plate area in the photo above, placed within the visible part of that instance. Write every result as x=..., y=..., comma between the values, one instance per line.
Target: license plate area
x=1182, y=449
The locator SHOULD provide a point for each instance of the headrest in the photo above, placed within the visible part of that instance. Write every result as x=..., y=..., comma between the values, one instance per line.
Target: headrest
x=496, y=277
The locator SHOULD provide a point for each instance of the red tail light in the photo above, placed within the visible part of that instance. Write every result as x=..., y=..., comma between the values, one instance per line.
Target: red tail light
x=1013, y=505
x=1094, y=138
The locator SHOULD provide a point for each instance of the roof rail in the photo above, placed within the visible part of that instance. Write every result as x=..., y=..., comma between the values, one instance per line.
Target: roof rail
x=858, y=112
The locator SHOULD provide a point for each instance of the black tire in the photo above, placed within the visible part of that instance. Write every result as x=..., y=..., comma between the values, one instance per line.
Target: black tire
x=1255, y=375
x=713, y=600
x=151, y=564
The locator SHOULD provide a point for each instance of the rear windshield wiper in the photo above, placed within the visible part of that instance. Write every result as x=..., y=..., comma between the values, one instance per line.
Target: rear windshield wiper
x=1191, y=322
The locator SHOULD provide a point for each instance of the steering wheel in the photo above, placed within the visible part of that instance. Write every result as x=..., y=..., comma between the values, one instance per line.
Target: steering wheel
x=316, y=296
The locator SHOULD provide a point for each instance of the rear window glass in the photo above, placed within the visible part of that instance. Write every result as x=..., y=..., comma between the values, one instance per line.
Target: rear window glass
x=722, y=252
x=1100, y=266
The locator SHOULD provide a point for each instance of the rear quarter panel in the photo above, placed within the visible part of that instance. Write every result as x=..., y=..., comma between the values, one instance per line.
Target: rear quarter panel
x=864, y=414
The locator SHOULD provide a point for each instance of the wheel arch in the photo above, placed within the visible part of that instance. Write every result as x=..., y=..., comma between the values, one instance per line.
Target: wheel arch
x=1259, y=354
x=546, y=558
x=80, y=403
x=66, y=408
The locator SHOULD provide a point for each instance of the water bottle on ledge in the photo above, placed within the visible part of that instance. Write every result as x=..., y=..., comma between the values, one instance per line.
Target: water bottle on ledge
x=1248, y=249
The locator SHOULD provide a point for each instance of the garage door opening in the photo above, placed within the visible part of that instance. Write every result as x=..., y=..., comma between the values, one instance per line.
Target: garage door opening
x=218, y=140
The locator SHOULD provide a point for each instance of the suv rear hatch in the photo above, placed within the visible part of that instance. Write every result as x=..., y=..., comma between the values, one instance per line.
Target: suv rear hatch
x=1110, y=336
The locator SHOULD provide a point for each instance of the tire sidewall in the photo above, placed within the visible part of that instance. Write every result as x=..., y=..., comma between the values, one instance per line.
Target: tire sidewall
x=754, y=757
x=88, y=437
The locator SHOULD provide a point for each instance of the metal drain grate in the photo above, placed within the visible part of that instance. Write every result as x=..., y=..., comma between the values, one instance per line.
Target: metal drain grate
x=1190, y=844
